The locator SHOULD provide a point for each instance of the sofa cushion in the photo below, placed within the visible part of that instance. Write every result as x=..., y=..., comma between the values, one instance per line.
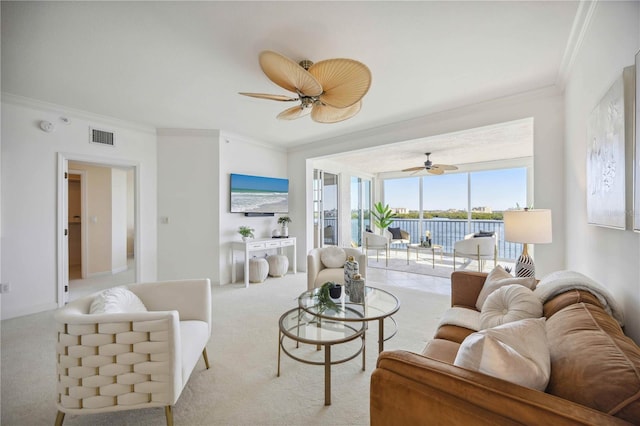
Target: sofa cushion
x=588, y=348
x=462, y=317
x=334, y=274
x=509, y=303
x=515, y=351
x=497, y=278
x=116, y=300
x=333, y=257
x=442, y=350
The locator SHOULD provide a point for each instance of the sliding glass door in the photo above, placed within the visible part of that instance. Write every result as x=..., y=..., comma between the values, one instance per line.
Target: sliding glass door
x=360, y=208
x=325, y=208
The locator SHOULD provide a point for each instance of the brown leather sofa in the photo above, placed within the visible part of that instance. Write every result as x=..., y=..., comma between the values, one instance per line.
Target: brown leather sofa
x=595, y=373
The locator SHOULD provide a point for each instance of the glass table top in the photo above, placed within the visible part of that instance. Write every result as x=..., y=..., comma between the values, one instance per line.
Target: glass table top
x=377, y=304
x=306, y=328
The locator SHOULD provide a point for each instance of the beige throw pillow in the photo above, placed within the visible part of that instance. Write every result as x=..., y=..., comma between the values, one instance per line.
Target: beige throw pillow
x=497, y=278
x=516, y=352
x=507, y=304
x=333, y=257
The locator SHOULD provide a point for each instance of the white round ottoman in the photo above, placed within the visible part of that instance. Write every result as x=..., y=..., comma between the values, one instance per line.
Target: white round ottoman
x=278, y=265
x=258, y=269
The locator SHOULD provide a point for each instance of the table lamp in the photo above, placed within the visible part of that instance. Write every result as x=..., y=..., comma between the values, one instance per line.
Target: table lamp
x=527, y=226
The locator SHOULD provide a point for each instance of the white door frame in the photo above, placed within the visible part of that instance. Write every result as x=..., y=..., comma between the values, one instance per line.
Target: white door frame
x=83, y=219
x=62, y=215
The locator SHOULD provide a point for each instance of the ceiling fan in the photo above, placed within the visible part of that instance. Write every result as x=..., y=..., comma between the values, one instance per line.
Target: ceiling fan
x=329, y=90
x=435, y=169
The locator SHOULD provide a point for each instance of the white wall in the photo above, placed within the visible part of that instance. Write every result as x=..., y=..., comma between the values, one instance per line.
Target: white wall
x=607, y=255
x=250, y=157
x=545, y=106
x=29, y=194
x=188, y=163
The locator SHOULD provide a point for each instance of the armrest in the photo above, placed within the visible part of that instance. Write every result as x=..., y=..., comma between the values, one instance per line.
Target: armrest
x=466, y=287
x=191, y=298
x=408, y=388
x=87, y=343
x=314, y=266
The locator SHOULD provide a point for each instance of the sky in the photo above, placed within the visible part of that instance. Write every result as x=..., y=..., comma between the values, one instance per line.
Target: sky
x=496, y=189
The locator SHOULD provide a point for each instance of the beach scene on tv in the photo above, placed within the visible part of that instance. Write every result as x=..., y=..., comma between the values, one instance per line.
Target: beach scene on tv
x=258, y=194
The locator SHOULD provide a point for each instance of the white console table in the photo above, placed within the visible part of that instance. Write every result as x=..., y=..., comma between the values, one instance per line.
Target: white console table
x=260, y=245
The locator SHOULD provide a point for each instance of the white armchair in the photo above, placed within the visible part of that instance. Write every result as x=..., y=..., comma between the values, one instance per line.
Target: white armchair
x=404, y=236
x=318, y=273
x=371, y=241
x=476, y=248
x=130, y=360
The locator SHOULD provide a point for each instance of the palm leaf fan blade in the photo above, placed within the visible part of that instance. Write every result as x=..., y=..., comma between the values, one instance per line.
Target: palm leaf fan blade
x=328, y=114
x=294, y=112
x=288, y=74
x=444, y=167
x=344, y=81
x=270, y=97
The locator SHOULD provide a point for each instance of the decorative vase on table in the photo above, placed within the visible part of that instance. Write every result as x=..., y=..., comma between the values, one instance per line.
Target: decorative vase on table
x=246, y=238
x=284, y=232
x=351, y=268
x=357, y=289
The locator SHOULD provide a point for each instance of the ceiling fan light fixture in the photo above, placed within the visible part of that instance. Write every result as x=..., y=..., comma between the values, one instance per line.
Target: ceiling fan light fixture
x=331, y=90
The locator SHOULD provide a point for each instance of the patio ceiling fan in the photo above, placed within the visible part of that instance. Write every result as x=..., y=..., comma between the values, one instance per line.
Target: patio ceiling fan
x=330, y=90
x=435, y=169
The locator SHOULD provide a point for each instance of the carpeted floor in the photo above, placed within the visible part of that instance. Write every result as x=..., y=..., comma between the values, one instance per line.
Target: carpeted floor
x=241, y=388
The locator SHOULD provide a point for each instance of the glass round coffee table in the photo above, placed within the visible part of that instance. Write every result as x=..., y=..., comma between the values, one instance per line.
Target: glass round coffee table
x=377, y=305
x=302, y=327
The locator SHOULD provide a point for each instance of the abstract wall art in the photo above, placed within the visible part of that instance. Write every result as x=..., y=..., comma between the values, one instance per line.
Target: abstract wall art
x=605, y=160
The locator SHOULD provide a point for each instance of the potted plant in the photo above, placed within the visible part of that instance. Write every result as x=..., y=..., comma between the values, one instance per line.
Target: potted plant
x=284, y=223
x=383, y=216
x=324, y=296
x=246, y=232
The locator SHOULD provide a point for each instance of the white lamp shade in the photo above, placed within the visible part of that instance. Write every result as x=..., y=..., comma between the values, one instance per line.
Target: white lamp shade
x=528, y=226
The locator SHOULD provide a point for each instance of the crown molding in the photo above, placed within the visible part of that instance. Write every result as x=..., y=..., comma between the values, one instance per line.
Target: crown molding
x=10, y=98
x=579, y=28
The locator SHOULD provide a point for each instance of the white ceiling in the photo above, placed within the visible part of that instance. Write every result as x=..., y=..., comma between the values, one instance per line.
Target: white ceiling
x=181, y=64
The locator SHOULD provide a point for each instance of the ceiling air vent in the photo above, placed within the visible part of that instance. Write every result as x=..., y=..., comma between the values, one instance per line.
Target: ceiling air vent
x=101, y=137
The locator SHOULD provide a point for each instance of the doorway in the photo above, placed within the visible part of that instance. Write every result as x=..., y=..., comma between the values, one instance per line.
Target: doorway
x=98, y=226
x=325, y=208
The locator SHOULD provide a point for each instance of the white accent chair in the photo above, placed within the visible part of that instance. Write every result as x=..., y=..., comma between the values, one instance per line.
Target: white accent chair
x=318, y=273
x=371, y=241
x=131, y=360
x=405, y=237
x=477, y=248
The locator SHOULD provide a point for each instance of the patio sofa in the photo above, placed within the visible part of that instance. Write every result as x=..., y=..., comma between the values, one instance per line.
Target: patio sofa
x=594, y=368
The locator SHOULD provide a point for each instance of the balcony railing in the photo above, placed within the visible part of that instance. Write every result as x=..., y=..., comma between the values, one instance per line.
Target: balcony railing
x=444, y=232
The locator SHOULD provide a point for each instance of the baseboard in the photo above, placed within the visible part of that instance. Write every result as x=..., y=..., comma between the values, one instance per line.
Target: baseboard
x=13, y=312
x=120, y=269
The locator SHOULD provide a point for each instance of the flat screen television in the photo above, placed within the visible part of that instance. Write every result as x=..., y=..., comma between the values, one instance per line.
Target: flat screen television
x=259, y=194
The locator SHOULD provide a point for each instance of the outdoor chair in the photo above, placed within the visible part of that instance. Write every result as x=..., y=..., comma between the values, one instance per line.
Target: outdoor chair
x=397, y=236
x=375, y=242
x=480, y=247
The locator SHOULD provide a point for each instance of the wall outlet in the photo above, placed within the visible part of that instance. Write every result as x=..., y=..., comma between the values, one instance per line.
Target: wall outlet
x=5, y=287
